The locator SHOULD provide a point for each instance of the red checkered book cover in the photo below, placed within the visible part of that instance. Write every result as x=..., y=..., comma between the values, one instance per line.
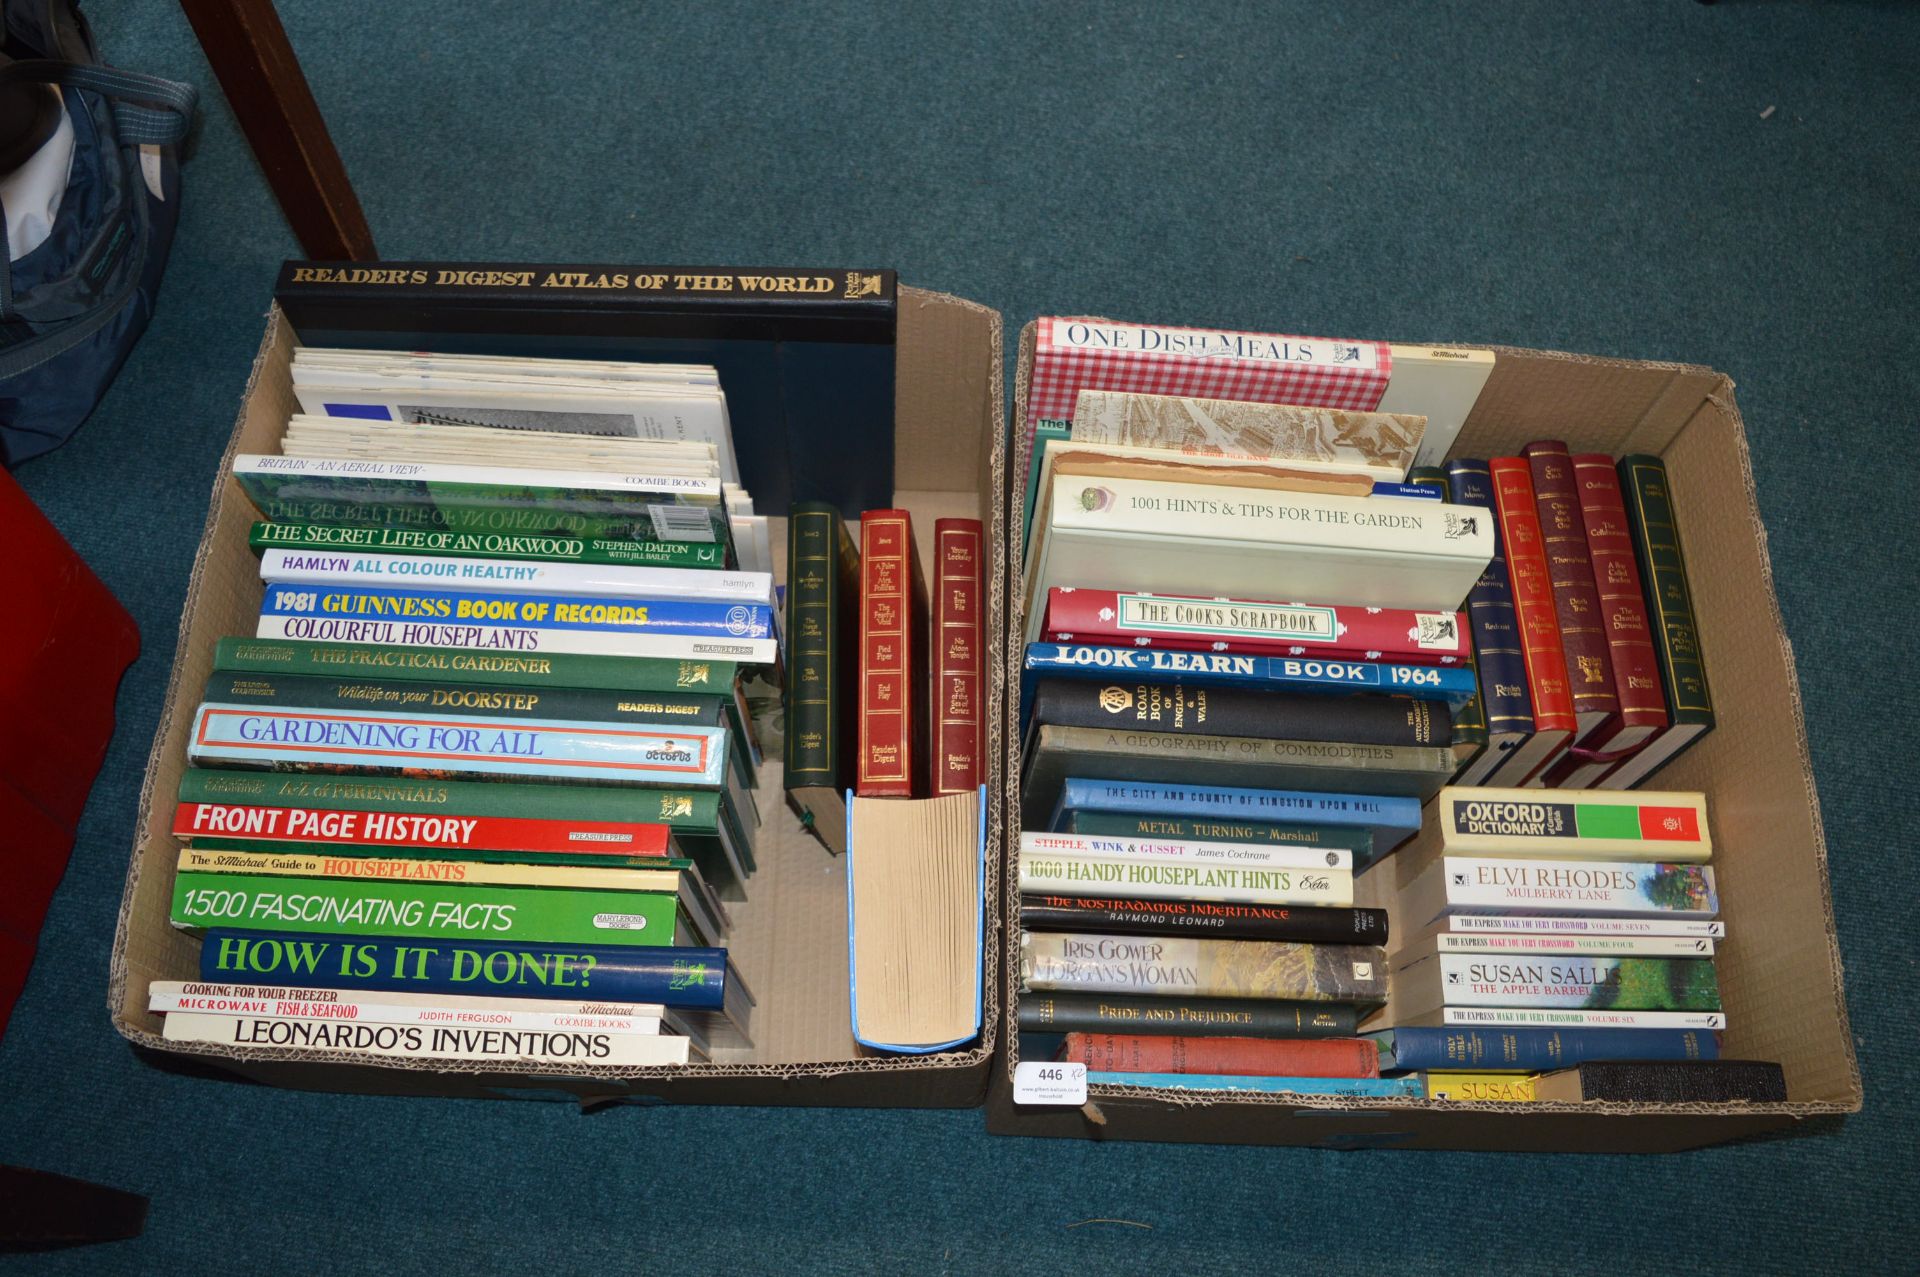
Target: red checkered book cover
x=1186, y=624
x=958, y=626
x=893, y=757
x=1533, y=604
x=1071, y=355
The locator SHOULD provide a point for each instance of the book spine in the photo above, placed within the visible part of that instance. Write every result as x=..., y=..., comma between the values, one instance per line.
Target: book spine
x=1479, y=885
x=1502, y=1088
x=888, y=762
x=562, y=613
x=1177, y=1053
x=286, y=1002
x=1619, y=946
x=1576, y=597
x=1355, y=811
x=1043, y=874
x=1357, y=842
x=1234, y=711
x=257, y=736
x=1114, y=617
x=1194, y=1017
x=1533, y=603
x=1204, y=968
x=1453, y=685
x=568, y=704
x=1537, y=1049
x=598, y=1047
x=813, y=754
x=1618, y=826
x=822, y=293
x=487, y=545
x=958, y=702
x=523, y=639
x=430, y=664
x=1138, y=917
x=292, y=863
x=694, y=979
x=1179, y=851
x=424, y=910
x=1602, y=982
x=1623, y=608
x=1382, y=444
x=1045, y=434
x=1676, y=1082
x=1491, y=616
x=370, y=571
x=680, y=809
x=1342, y=766
x=194, y=821
x=1579, y=1018
x=1340, y=1087
x=1700, y=928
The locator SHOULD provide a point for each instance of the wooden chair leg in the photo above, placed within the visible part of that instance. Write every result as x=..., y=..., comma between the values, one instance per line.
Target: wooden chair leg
x=248, y=50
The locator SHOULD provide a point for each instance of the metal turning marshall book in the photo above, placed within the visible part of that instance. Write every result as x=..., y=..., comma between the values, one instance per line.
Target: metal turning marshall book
x=1458, y=884
x=1195, y=1017
x=298, y=535
x=1204, y=968
x=1540, y=824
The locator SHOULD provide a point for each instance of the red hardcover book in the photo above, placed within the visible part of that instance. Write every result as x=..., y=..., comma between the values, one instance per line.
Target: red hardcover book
x=958, y=696
x=1554, y=721
x=200, y=821
x=1192, y=624
x=893, y=659
x=1623, y=611
x=1257, y=1057
x=1576, y=598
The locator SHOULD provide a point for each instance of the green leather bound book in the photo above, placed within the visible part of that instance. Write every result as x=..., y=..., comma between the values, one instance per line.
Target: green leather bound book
x=823, y=589
x=1676, y=635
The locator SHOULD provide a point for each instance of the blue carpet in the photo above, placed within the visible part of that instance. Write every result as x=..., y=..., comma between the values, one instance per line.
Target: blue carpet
x=1599, y=178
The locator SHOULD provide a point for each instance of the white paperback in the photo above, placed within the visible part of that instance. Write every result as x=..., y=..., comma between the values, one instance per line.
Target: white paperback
x=431, y=1041
x=1442, y=383
x=1710, y=928
x=350, y=567
x=1573, y=946
x=1140, y=879
x=1171, y=538
x=1558, y=1018
x=1461, y=884
x=1177, y=851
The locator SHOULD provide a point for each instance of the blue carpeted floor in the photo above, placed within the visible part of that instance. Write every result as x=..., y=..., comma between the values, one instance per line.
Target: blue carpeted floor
x=1600, y=178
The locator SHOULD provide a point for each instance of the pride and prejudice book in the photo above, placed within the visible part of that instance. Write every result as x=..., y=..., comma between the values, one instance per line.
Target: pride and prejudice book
x=1050, y=1012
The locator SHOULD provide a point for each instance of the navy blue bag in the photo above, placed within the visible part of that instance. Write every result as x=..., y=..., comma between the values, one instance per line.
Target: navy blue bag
x=72, y=307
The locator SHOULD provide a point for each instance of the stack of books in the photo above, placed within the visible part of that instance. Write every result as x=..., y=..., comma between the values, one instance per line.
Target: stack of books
x=482, y=783
x=1247, y=665
x=1551, y=934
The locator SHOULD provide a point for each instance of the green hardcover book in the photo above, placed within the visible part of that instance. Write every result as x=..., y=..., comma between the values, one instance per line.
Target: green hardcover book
x=823, y=591
x=1044, y=433
x=298, y=535
x=702, y=828
x=1648, y=495
x=503, y=702
x=1470, y=720
x=1202, y=829
x=424, y=910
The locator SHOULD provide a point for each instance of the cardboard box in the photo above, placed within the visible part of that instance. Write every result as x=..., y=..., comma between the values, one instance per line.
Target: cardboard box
x=1779, y=968
x=789, y=939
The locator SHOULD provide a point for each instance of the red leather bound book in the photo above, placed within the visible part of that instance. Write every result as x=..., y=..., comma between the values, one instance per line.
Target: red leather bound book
x=958, y=606
x=1623, y=610
x=1258, y=1057
x=1539, y=623
x=893, y=659
x=1576, y=599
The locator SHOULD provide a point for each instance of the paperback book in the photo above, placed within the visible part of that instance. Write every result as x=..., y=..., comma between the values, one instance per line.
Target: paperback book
x=1049, y=1012
x=557, y=548
x=1203, y=968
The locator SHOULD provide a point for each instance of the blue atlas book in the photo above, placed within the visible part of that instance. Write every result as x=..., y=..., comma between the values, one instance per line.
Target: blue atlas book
x=1346, y=1087
x=1534, y=1050
x=1391, y=820
x=1453, y=684
x=694, y=979
x=538, y=611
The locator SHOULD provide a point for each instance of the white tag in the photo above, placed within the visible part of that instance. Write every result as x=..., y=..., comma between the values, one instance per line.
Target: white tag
x=1437, y=631
x=680, y=523
x=150, y=168
x=1363, y=971
x=1049, y=1082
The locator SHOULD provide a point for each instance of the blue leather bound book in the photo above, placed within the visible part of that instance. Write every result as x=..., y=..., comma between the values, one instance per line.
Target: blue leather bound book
x=1534, y=1050
x=1496, y=647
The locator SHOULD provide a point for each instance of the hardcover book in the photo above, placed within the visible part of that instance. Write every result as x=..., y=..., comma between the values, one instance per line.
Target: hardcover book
x=371, y=570
x=1655, y=532
x=959, y=693
x=1234, y=711
x=432, y=1041
x=1390, y=820
x=1172, y=538
x=525, y=639
x=1203, y=968
x=1555, y=722
x=823, y=591
x=1458, y=884
x=1042, y=873
x=299, y=535
x=1534, y=1050
x=1667, y=1082
x=1541, y=825
x=1146, y=917
x=1495, y=626
x=1121, y=754
x=1380, y=442
x=1557, y=980
x=806, y=355
x=1258, y=1057
x=1238, y=626
x=893, y=736
x=586, y=841
x=1338, y=1087
x=1358, y=842
x=1044, y=1012
x=291, y=1002
x=1177, y=851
